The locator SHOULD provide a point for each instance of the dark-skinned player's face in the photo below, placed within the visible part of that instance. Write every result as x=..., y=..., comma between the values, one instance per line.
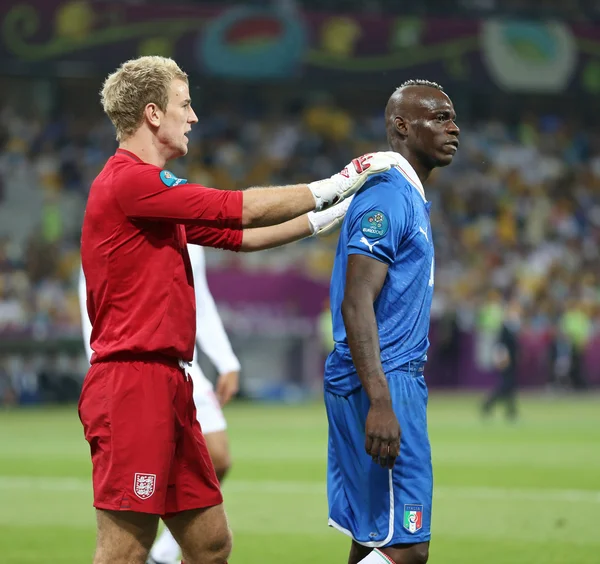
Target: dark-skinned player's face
x=433, y=133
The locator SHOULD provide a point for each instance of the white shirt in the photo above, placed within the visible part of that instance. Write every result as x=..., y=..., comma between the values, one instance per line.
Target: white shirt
x=210, y=333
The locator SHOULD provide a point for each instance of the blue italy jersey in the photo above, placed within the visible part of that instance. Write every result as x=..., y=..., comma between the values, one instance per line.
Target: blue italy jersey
x=388, y=220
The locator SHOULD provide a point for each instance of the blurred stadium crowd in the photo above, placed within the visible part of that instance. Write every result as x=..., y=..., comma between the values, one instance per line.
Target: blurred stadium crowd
x=516, y=216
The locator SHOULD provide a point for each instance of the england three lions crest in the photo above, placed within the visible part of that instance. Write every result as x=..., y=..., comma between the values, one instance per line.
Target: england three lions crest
x=143, y=485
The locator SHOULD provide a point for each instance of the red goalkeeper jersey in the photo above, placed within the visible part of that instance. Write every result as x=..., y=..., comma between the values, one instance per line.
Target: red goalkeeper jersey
x=140, y=288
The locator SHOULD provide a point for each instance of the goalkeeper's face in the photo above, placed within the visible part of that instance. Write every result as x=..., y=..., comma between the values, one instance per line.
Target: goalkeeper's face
x=433, y=133
x=177, y=121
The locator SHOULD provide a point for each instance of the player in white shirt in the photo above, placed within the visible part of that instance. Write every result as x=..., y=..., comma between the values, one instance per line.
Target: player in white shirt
x=213, y=341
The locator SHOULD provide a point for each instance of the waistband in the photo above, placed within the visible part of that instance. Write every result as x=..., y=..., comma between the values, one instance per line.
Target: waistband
x=125, y=356
x=414, y=367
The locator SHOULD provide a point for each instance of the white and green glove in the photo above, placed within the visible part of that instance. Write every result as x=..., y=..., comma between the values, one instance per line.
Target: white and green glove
x=344, y=184
x=327, y=221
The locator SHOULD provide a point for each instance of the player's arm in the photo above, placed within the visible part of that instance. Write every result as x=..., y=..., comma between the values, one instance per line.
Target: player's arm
x=375, y=225
x=258, y=239
x=145, y=192
x=210, y=333
x=86, y=326
x=272, y=206
x=146, y=197
x=364, y=279
x=249, y=240
x=276, y=235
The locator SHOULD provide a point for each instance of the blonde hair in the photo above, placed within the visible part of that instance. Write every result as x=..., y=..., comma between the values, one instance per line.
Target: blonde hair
x=136, y=83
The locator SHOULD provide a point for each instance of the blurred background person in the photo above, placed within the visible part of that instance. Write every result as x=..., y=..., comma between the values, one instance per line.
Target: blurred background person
x=505, y=356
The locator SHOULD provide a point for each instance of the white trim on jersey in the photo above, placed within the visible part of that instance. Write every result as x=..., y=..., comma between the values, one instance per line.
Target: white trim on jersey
x=390, y=535
x=406, y=169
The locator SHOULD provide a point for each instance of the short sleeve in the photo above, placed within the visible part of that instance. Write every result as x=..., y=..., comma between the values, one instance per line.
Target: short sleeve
x=377, y=220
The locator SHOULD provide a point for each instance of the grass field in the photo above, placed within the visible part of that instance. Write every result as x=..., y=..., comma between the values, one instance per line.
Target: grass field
x=505, y=494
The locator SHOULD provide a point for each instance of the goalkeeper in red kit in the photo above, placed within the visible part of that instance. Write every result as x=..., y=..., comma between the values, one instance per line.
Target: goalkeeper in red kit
x=149, y=457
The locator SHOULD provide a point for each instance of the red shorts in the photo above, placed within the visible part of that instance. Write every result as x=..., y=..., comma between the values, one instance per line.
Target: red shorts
x=148, y=452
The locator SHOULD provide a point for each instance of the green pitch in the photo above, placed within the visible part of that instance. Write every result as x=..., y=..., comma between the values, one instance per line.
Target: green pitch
x=505, y=494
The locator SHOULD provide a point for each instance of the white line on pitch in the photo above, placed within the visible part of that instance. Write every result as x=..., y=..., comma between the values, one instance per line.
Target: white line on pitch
x=317, y=488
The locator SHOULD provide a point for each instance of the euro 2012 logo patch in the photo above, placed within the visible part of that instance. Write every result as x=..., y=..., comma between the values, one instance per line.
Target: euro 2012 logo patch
x=170, y=180
x=374, y=224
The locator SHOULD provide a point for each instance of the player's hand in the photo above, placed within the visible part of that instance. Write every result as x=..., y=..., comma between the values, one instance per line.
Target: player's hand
x=327, y=221
x=228, y=384
x=344, y=184
x=382, y=435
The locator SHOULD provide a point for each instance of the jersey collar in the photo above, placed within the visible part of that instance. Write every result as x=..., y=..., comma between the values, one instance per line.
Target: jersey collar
x=409, y=173
x=129, y=154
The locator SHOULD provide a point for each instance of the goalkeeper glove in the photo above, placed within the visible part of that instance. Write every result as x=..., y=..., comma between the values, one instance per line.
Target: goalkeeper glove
x=344, y=184
x=327, y=221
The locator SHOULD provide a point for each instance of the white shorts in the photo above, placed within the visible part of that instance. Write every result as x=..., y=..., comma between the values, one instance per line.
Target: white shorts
x=208, y=410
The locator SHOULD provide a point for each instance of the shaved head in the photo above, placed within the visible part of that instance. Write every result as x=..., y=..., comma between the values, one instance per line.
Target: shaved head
x=420, y=125
x=410, y=99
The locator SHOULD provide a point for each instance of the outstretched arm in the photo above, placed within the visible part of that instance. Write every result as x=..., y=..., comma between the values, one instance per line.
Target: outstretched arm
x=276, y=235
x=147, y=192
x=249, y=240
x=270, y=206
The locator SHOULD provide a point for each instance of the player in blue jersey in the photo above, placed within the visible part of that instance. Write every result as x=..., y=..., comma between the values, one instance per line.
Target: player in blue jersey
x=379, y=476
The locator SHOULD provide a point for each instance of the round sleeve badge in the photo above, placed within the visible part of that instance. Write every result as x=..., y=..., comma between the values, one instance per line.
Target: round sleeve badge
x=170, y=180
x=374, y=224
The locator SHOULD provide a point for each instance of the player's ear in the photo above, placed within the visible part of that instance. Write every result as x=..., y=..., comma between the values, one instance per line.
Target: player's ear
x=152, y=114
x=401, y=126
